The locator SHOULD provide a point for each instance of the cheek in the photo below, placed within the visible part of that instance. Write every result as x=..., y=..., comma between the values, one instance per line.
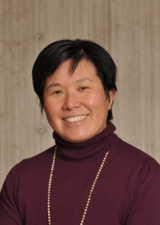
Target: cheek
x=98, y=106
x=97, y=100
x=50, y=109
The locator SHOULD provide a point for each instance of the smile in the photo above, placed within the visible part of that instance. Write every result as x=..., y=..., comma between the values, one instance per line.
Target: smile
x=75, y=119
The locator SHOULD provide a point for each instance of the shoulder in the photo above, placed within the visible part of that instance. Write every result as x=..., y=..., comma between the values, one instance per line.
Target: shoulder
x=129, y=154
x=26, y=179
x=132, y=163
x=31, y=166
x=39, y=159
x=135, y=171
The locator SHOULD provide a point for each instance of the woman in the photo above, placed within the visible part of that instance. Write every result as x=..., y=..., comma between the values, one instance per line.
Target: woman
x=91, y=176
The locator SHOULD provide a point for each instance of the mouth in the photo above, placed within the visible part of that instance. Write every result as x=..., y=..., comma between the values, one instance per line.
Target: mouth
x=75, y=118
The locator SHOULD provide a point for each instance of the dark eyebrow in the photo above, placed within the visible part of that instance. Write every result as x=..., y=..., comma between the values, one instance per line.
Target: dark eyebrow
x=54, y=85
x=77, y=81
x=82, y=80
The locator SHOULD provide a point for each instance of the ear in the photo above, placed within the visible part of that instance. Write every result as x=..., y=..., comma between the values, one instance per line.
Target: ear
x=111, y=95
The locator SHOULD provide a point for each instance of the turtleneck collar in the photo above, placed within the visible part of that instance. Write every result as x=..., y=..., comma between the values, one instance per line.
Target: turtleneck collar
x=88, y=150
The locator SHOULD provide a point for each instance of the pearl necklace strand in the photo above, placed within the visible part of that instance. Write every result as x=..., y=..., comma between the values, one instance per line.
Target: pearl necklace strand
x=89, y=196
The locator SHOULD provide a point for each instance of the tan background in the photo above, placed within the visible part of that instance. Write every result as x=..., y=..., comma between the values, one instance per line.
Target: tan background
x=128, y=29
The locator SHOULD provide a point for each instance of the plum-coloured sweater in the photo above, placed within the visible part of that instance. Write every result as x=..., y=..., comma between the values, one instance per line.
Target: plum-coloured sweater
x=127, y=191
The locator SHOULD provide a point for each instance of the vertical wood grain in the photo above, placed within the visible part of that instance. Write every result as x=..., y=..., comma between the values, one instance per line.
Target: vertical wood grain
x=135, y=48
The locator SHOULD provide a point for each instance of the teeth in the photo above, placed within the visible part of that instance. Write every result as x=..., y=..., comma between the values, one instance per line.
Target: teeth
x=75, y=119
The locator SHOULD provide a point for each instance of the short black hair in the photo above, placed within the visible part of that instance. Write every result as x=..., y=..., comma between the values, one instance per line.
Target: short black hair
x=60, y=51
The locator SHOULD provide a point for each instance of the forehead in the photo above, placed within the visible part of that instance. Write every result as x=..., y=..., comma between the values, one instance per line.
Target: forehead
x=84, y=68
x=84, y=74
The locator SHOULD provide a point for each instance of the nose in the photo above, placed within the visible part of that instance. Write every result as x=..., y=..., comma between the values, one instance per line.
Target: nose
x=71, y=101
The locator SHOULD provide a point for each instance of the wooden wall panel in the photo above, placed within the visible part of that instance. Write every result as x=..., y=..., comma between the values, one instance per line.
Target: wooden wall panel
x=128, y=29
x=136, y=32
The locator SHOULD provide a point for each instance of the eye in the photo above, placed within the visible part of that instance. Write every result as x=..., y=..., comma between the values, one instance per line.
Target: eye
x=57, y=92
x=83, y=88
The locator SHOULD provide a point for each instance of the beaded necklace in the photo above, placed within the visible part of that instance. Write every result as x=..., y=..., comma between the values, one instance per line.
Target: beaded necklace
x=89, y=196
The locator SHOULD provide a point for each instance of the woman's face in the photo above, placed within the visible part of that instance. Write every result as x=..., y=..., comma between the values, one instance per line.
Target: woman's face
x=76, y=105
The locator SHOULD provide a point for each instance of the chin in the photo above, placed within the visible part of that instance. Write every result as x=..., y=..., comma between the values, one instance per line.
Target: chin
x=76, y=140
